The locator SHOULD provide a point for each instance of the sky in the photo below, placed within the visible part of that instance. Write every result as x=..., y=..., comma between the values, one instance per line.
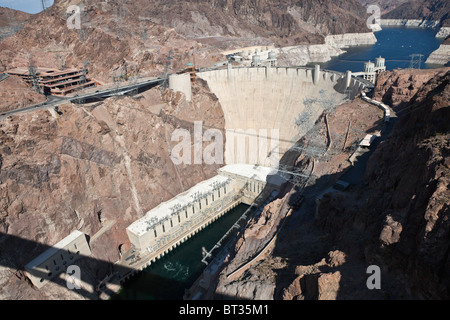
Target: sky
x=30, y=6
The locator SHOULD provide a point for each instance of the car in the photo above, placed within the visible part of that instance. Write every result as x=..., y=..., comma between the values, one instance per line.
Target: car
x=3, y=114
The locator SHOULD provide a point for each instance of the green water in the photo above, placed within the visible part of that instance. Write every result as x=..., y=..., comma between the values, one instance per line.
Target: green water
x=169, y=276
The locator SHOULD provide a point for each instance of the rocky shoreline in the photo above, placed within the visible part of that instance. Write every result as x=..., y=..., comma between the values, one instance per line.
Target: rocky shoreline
x=410, y=23
x=444, y=32
x=440, y=56
x=301, y=55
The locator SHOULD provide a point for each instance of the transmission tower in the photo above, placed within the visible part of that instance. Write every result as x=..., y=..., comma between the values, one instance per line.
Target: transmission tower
x=85, y=71
x=32, y=71
x=166, y=69
x=416, y=61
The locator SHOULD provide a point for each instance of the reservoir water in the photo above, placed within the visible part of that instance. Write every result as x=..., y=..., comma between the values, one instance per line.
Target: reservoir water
x=395, y=44
x=168, y=277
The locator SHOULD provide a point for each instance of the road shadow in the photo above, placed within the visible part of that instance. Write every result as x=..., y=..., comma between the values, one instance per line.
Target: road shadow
x=16, y=252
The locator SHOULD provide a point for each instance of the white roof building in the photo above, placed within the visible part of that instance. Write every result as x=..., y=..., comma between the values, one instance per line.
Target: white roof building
x=367, y=141
x=164, y=210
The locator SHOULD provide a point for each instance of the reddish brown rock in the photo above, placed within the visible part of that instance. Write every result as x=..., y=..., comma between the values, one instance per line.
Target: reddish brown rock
x=399, y=86
x=16, y=93
x=432, y=10
x=391, y=231
x=404, y=221
x=328, y=285
x=94, y=166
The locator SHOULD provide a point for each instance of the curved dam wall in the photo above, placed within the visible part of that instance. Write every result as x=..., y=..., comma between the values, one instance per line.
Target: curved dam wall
x=268, y=109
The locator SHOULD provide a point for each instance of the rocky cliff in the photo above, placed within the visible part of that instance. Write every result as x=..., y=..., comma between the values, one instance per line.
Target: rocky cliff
x=403, y=224
x=11, y=21
x=112, y=40
x=396, y=217
x=16, y=93
x=10, y=17
x=95, y=168
x=385, y=5
x=434, y=10
x=396, y=88
x=279, y=21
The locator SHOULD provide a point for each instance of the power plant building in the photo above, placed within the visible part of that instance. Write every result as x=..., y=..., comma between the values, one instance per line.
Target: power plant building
x=372, y=70
x=174, y=221
x=57, y=258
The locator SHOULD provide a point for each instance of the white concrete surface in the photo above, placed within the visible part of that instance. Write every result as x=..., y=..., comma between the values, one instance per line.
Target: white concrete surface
x=259, y=103
x=181, y=83
x=57, y=258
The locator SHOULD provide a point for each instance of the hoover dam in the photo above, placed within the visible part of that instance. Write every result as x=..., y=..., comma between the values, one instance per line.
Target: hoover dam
x=266, y=110
x=245, y=150
x=259, y=104
x=271, y=108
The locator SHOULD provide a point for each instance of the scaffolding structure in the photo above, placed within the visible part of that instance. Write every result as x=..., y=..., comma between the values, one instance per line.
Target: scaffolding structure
x=53, y=81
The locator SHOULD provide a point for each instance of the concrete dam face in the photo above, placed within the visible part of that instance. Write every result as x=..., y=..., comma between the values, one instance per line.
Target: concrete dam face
x=267, y=110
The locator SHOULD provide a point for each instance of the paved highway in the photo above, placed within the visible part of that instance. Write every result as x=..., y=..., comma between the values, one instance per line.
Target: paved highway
x=85, y=98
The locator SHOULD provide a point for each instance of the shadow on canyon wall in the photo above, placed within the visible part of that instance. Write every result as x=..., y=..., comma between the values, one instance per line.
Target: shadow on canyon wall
x=332, y=267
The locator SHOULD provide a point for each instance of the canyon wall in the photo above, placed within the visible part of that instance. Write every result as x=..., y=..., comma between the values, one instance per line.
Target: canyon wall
x=397, y=217
x=281, y=22
x=425, y=10
x=403, y=224
x=94, y=168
